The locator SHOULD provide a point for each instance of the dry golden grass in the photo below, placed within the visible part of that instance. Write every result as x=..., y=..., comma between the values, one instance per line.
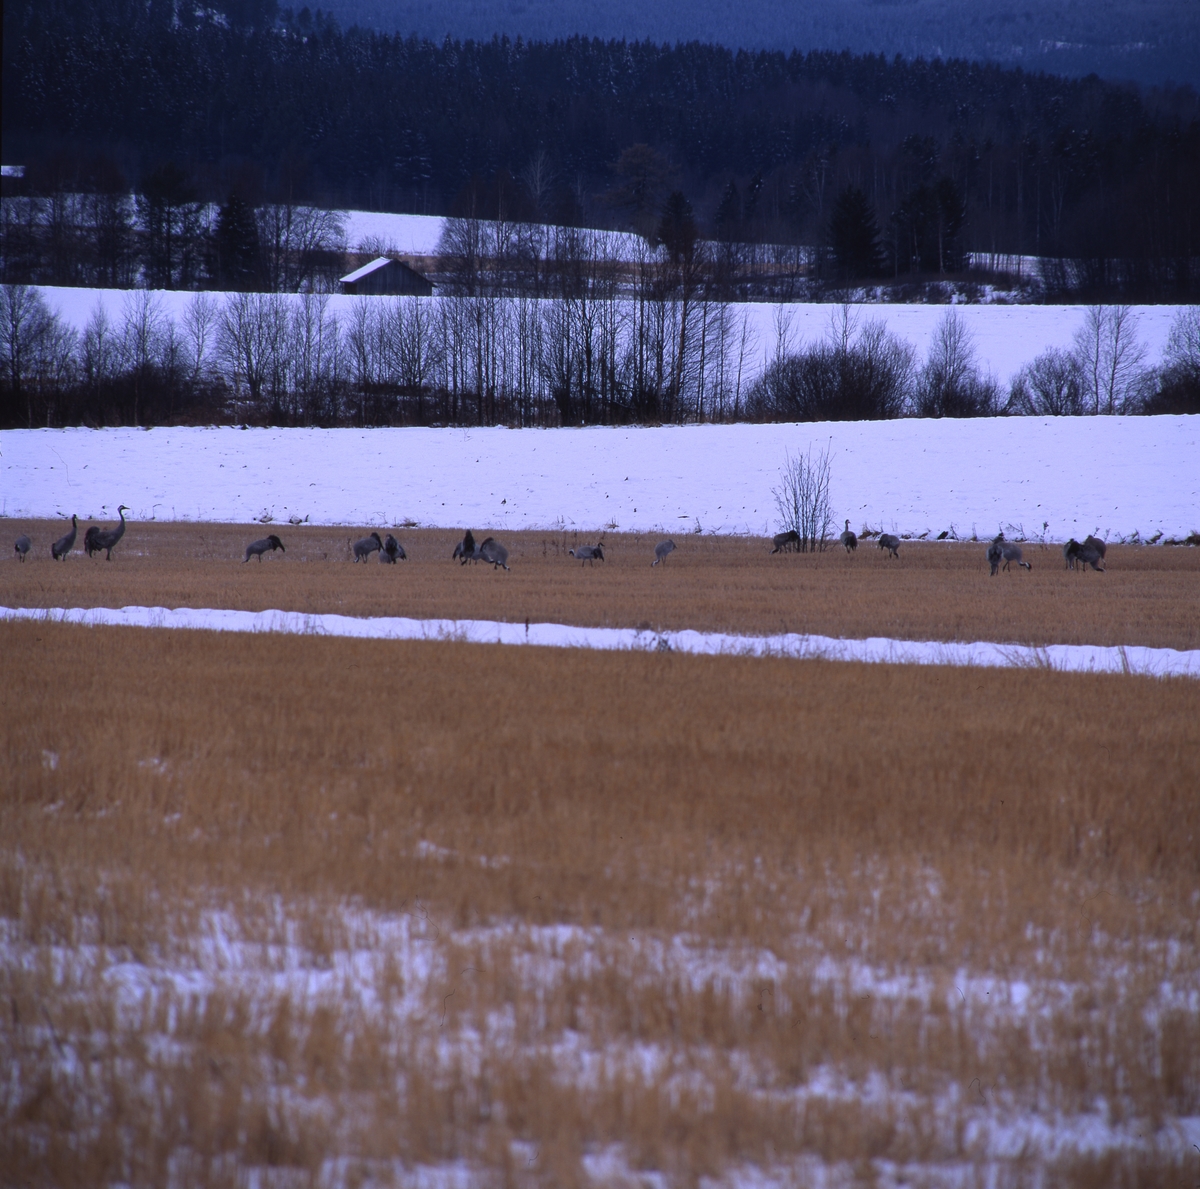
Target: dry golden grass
x=271, y=901
x=936, y=591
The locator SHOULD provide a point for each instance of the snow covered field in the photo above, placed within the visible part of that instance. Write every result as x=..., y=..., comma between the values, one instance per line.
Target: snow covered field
x=1112, y=476
x=395, y=977
x=1004, y=337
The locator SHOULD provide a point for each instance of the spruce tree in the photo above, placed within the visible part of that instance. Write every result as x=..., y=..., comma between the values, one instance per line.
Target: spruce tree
x=854, y=236
x=236, y=245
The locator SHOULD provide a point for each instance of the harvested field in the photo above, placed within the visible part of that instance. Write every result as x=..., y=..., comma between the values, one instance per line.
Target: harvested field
x=345, y=913
x=935, y=591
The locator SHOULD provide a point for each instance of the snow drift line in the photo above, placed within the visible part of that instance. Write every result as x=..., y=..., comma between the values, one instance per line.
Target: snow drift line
x=1076, y=658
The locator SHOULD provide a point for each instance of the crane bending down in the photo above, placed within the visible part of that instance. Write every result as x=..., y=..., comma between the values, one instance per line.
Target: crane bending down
x=96, y=539
x=266, y=545
x=64, y=545
x=662, y=551
x=365, y=547
x=22, y=546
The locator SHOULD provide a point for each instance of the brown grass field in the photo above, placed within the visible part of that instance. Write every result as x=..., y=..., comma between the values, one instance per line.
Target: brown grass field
x=935, y=591
x=336, y=912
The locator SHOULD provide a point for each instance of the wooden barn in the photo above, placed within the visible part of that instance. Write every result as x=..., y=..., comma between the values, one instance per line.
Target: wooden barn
x=384, y=275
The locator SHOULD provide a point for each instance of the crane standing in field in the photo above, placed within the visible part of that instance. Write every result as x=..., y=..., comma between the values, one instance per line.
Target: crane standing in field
x=891, y=543
x=587, y=553
x=465, y=550
x=848, y=539
x=22, y=546
x=392, y=551
x=97, y=538
x=64, y=545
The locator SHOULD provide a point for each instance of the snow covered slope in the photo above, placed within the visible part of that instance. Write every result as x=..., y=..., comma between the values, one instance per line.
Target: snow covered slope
x=1110, y=475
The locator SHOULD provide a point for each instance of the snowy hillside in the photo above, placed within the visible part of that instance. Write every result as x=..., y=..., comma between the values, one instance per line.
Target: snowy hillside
x=1110, y=475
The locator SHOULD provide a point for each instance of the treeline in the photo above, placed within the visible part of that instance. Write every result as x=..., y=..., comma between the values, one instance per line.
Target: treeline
x=98, y=234
x=950, y=157
x=596, y=359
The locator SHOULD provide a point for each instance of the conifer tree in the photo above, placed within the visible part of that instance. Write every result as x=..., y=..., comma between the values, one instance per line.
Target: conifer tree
x=854, y=236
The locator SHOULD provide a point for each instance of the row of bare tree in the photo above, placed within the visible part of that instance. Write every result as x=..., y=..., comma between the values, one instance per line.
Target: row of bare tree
x=594, y=357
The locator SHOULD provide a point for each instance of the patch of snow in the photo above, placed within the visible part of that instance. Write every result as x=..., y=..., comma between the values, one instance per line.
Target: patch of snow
x=1076, y=658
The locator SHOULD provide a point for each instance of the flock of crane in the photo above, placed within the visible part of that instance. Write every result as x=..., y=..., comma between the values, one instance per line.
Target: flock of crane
x=1001, y=554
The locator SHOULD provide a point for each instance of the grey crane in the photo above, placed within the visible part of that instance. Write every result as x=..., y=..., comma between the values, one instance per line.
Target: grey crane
x=364, y=548
x=392, y=551
x=23, y=546
x=995, y=555
x=465, y=550
x=64, y=545
x=787, y=542
x=96, y=538
x=1075, y=554
x=1011, y=552
x=889, y=542
x=848, y=539
x=662, y=551
x=266, y=545
x=1101, y=547
x=491, y=550
x=588, y=553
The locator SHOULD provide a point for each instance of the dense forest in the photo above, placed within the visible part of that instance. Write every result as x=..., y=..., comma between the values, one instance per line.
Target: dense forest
x=1151, y=41
x=900, y=166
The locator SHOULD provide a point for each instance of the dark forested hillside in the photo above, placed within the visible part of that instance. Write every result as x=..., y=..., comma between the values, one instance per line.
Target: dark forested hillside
x=1152, y=41
x=950, y=156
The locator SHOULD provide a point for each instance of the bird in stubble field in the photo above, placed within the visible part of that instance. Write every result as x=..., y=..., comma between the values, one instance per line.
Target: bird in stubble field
x=995, y=556
x=1083, y=555
x=464, y=551
x=64, y=545
x=890, y=543
x=22, y=546
x=97, y=538
x=662, y=551
x=392, y=551
x=786, y=542
x=492, y=551
x=266, y=545
x=366, y=546
x=848, y=539
x=1012, y=553
x=587, y=553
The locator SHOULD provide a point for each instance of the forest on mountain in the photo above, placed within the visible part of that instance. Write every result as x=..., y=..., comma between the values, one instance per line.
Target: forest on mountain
x=896, y=166
x=1149, y=41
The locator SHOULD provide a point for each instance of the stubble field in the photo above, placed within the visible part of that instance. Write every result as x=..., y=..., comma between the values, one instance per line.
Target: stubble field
x=337, y=912
x=935, y=590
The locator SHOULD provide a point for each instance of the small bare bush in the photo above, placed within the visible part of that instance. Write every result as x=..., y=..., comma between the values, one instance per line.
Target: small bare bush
x=802, y=498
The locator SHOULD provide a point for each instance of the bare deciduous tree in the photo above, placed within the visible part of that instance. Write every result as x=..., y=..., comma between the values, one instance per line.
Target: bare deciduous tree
x=802, y=498
x=1110, y=358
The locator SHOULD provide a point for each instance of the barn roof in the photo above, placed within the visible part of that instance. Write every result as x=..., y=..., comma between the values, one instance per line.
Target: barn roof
x=366, y=270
